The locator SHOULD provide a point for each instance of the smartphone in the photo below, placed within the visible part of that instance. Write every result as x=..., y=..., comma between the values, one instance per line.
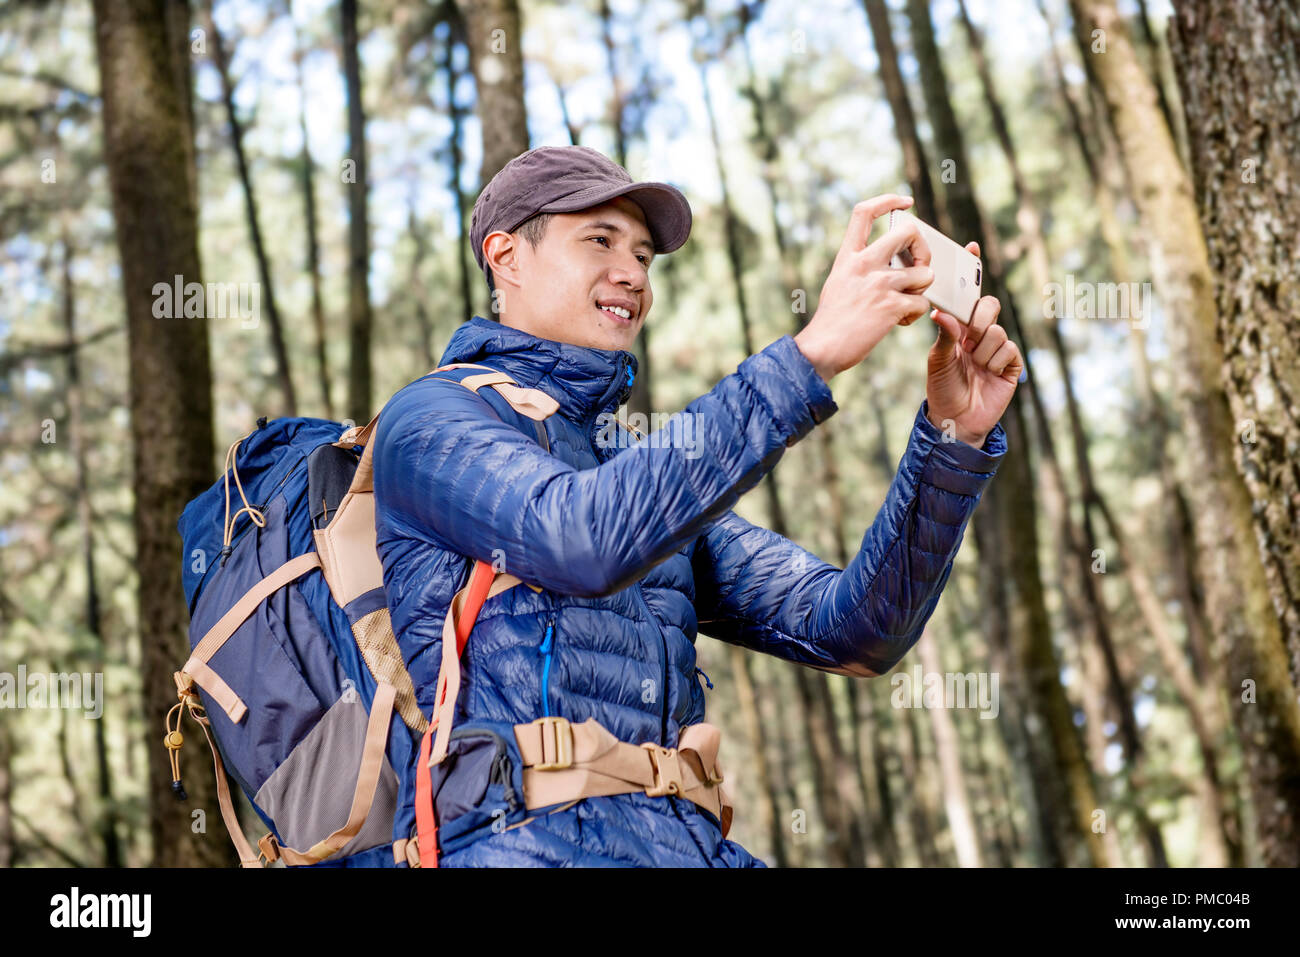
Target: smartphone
x=957, y=272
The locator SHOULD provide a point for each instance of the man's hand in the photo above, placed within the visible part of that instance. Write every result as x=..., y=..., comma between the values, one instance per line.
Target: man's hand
x=863, y=298
x=973, y=371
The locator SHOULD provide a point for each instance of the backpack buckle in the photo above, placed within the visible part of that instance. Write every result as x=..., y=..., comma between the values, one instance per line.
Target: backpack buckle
x=268, y=848
x=557, y=743
x=666, y=768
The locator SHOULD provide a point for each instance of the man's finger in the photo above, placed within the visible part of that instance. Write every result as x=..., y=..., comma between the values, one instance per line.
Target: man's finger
x=950, y=330
x=910, y=278
x=1001, y=362
x=865, y=214
x=986, y=311
x=990, y=344
x=904, y=236
x=914, y=307
x=973, y=248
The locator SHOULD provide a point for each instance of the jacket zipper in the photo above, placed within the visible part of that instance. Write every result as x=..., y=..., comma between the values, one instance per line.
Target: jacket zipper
x=663, y=660
x=545, y=649
x=663, y=643
x=590, y=423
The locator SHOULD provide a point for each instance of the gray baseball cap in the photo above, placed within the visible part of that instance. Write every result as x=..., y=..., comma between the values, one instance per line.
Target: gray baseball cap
x=566, y=179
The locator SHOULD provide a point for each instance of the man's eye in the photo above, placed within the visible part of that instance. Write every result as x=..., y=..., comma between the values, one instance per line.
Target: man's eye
x=645, y=260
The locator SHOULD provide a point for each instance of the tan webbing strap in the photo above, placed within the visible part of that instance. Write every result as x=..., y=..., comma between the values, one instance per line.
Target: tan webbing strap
x=534, y=403
x=407, y=849
x=231, y=620
x=449, y=673
x=349, y=555
x=378, y=645
x=197, y=667
x=247, y=856
x=372, y=762
x=357, y=435
x=217, y=690
x=363, y=480
x=462, y=365
x=476, y=382
x=564, y=761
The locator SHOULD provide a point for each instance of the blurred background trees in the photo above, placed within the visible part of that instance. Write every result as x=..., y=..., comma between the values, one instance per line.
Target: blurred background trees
x=1132, y=577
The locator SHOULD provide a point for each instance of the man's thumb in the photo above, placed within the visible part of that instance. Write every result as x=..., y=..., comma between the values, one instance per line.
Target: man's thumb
x=949, y=329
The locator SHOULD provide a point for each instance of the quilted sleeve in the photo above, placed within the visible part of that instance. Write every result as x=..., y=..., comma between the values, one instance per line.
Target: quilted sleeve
x=447, y=466
x=757, y=589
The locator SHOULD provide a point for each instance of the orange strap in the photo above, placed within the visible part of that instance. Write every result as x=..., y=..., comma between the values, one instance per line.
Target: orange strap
x=462, y=614
x=426, y=822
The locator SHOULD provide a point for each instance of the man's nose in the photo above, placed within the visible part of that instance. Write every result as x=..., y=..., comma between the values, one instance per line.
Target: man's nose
x=632, y=274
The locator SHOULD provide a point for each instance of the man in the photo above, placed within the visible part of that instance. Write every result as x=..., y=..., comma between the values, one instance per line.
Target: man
x=634, y=548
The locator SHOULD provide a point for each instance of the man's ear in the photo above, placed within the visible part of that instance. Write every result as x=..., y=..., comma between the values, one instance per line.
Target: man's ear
x=501, y=253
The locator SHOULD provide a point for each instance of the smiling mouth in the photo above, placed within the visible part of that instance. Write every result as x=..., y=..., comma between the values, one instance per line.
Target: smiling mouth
x=621, y=320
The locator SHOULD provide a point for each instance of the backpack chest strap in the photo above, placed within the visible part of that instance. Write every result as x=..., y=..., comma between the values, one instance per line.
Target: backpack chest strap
x=565, y=762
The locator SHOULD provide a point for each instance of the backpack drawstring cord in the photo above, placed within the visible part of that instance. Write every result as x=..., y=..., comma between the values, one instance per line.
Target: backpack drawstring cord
x=228, y=526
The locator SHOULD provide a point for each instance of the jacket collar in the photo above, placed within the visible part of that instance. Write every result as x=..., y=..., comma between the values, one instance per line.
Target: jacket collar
x=586, y=382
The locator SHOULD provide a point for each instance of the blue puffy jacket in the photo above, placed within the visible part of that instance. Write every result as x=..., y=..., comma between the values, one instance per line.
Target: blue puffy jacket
x=635, y=550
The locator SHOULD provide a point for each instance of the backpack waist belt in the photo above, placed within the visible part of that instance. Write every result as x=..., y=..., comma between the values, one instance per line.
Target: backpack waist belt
x=565, y=762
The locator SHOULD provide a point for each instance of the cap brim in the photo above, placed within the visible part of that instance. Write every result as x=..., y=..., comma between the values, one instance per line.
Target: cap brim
x=667, y=213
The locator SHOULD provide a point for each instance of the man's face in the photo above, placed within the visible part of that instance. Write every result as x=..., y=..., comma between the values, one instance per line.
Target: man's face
x=594, y=258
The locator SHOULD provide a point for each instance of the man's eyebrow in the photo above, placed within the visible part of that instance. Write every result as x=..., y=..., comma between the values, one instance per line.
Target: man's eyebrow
x=615, y=228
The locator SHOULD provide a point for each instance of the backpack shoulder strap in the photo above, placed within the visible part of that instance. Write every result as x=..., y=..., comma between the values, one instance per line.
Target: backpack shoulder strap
x=524, y=405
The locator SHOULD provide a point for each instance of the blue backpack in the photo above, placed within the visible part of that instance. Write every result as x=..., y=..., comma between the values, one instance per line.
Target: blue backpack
x=295, y=673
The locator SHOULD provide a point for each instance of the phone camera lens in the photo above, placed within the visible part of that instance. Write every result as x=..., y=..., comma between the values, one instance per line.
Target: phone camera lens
x=977, y=275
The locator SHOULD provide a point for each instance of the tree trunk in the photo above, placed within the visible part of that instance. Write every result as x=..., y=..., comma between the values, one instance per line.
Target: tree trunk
x=952, y=780
x=313, y=240
x=148, y=149
x=222, y=64
x=419, y=294
x=358, y=191
x=1235, y=583
x=786, y=763
x=920, y=812
x=769, y=821
x=7, y=856
x=885, y=829
x=106, y=813
x=1240, y=66
x=1156, y=67
x=495, y=37
x=464, y=254
x=915, y=167
x=575, y=134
